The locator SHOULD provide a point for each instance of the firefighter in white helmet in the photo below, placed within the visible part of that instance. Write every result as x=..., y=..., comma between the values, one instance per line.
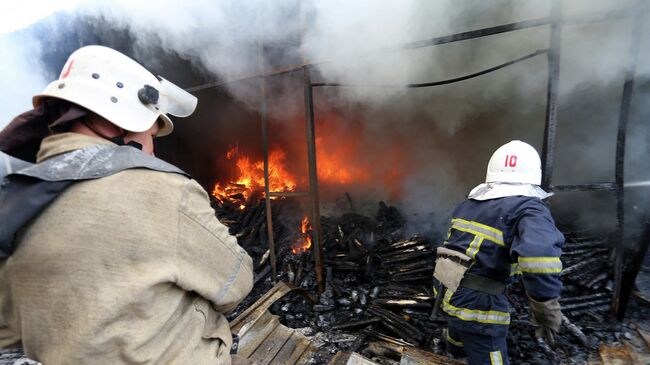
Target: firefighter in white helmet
x=502, y=229
x=111, y=256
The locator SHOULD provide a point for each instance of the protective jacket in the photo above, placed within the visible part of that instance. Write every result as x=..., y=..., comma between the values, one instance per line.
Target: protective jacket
x=502, y=236
x=128, y=268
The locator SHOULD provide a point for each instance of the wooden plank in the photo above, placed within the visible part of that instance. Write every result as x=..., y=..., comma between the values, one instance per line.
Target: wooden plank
x=614, y=355
x=247, y=319
x=305, y=358
x=341, y=358
x=272, y=344
x=256, y=335
x=295, y=347
x=357, y=359
x=636, y=356
x=263, y=339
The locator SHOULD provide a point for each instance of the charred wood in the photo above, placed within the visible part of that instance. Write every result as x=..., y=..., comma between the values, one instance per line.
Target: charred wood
x=403, y=303
x=546, y=349
x=399, y=246
x=398, y=325
x=583, y=298
x=579, y=265
x=356, y=324
x=581, y=311
x=586, y=252
x=575, y=331
x=598, y=279
x=581, y=305
x=395, y=260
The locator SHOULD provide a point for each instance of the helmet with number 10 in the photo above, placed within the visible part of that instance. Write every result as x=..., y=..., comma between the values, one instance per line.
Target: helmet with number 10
x=515, y=162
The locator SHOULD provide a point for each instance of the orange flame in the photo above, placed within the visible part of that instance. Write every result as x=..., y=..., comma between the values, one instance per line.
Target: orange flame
x=303, y=244
x=336, y=164
x=345, y=156
x=251, y=177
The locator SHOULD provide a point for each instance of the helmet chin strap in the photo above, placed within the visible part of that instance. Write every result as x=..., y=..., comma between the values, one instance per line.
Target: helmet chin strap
x=118, y=140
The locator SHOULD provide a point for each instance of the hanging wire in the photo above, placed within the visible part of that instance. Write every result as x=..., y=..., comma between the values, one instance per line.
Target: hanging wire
x=442, y=82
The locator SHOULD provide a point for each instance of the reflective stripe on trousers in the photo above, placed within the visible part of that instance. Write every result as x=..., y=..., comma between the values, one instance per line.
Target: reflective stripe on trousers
x=480, y=349
x=496, y=358
x=474, y=315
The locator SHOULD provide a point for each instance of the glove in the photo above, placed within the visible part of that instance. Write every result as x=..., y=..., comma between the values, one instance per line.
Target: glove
x=547, y=317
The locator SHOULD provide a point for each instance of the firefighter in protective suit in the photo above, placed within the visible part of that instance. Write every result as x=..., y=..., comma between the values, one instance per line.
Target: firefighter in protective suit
x=109, y=255
x=503, y=228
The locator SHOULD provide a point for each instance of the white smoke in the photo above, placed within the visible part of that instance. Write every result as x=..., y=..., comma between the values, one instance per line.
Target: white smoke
x=20, y=75
x=459, y=124
x=224, y=36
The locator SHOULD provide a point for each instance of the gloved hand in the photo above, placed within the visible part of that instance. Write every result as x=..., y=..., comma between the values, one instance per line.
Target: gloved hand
x=547, y=317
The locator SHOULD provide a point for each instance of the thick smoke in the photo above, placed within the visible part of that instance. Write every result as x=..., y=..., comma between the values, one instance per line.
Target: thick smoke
x=20, y=75
x=445, y=134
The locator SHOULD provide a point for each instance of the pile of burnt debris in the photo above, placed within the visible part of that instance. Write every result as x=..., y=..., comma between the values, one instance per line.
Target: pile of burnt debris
x=378, y=297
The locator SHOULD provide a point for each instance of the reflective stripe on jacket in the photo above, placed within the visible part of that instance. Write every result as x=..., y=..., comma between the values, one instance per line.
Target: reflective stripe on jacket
x=503, y=236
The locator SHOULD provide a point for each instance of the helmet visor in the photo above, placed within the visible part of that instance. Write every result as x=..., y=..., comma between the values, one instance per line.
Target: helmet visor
x=175, y=100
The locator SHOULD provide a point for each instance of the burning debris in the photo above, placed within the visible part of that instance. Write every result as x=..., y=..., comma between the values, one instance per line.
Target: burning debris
x=303, y=243
x=251, y=178
x=378, y=298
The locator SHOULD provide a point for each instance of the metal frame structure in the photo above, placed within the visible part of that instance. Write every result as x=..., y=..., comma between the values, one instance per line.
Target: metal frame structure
x=625, y=275
x=556, y=21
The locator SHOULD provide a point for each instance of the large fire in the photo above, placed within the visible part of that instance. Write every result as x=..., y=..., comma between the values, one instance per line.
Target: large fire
x=333, y=168
x=344, y=159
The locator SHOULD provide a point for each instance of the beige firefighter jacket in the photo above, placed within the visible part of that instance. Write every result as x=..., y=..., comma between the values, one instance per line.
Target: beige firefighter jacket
x=133, y=268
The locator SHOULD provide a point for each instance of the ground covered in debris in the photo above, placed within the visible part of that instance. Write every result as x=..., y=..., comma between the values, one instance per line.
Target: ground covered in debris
x=379, y=289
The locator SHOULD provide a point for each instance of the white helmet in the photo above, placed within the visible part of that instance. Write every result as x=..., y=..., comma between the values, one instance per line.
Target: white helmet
x=515, y=162
x=119, y=89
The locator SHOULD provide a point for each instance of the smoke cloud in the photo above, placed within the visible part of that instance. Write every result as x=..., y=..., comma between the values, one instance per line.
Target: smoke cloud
x=21, y=75
x=445, y=134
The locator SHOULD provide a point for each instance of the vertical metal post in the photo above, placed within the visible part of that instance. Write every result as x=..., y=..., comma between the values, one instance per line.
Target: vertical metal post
x=313, y=179
x=548, y=149
x=265, y=147
x=267, y=196
x=623, y=278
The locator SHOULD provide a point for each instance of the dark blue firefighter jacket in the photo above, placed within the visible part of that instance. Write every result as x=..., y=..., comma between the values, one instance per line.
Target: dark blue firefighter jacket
x=504, y=237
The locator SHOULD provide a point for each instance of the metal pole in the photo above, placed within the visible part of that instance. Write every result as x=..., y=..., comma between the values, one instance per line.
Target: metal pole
x=313, y=179
x=267, y=193
x=624, y=279
x=265, y=148
x=548, y=149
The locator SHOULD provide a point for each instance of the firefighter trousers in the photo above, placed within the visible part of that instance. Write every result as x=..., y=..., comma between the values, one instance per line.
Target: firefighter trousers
x=480, y=349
